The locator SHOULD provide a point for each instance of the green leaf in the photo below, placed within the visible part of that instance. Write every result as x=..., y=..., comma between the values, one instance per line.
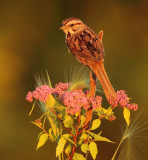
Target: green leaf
x=96, y=123
x=126, y=113
x=91, y=134
x=84, y=147
x=100, y=138
x=60, y=146
x=82, y=120
x=93, y=150
x=50, y=101
x=68, y=122
x=68, y=149
x=68, y=139
x=59, y=134
x=38, y=136
x=83, y=136
x=43, y=138
x=76, y=114
x=78, y=156
x=100, y=111
x=32, y=108
x=109, y=111
x=50, y=115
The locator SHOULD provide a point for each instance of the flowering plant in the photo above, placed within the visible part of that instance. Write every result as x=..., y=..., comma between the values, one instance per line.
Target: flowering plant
x=66, y=107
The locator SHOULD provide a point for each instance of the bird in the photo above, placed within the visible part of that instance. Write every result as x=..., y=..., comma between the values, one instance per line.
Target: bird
x=88, y=49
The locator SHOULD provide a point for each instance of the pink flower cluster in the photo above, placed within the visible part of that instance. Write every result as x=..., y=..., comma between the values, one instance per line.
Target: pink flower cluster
x=29, y=96
x=132, y=106
x=95, y=102
x=77, y=99
x=40, y=93
x=60, y=88
x=111, y=118
x=74, y=100
x=123, y=101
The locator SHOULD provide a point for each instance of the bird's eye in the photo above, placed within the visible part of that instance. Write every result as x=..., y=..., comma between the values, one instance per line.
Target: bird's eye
x=71, y=25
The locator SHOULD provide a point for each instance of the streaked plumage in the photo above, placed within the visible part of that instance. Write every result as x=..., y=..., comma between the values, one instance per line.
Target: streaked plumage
x=86, y=46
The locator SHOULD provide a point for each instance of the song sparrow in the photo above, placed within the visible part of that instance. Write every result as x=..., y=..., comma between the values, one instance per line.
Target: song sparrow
x=86, y=46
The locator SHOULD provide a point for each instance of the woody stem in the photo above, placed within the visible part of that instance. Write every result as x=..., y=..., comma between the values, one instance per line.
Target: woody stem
x=75, y=137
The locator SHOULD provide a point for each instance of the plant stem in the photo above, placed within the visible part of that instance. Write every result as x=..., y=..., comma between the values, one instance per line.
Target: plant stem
x=62, y=122
x=75, y=137
x=116, y=151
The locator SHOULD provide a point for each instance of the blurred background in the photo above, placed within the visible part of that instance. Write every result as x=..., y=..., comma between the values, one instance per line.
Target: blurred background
x=31, y=43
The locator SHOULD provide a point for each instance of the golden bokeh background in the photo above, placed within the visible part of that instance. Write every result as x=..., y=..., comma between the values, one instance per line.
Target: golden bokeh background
x=31, y=42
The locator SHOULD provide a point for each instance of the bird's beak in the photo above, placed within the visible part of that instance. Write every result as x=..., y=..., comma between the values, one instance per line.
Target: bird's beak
x=62, y=27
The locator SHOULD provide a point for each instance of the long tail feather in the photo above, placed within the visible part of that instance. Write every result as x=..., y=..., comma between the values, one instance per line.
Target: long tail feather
x=99, y=70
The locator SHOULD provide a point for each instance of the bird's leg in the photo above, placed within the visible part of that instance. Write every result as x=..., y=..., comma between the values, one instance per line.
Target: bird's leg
x=92, y=92
x=92, y=84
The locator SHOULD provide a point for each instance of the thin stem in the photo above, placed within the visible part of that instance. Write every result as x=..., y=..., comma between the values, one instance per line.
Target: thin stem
x=87, y=154
x=83, y=129
x=75, y=137
x=116, y=151
x=42, y=115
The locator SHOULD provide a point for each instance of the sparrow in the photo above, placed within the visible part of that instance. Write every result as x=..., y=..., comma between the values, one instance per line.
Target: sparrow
x=88, y=49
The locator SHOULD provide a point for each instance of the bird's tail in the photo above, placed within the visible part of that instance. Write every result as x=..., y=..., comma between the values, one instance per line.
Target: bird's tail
x=99, y=70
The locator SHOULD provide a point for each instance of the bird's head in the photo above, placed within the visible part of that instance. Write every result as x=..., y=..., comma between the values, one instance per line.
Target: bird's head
x=72, y=25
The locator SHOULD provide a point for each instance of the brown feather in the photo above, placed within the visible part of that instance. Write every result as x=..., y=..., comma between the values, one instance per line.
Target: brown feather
x=65, y=21
x=99, y=70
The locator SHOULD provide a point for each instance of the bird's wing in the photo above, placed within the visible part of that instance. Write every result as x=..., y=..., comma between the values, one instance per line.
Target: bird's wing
x=93, y=44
